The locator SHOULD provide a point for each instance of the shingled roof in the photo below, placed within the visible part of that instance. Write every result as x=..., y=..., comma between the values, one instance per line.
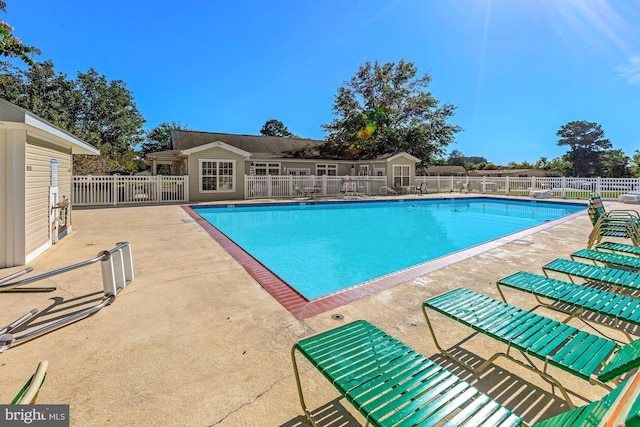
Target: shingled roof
x=267, y=147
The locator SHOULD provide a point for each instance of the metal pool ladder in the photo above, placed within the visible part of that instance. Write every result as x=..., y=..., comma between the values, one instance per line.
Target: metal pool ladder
x=117, y=272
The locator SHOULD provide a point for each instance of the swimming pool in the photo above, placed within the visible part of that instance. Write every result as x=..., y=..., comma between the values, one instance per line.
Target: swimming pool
x=320, y=248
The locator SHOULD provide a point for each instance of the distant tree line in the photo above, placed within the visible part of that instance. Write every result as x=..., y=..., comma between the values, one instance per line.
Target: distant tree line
x=590, y=154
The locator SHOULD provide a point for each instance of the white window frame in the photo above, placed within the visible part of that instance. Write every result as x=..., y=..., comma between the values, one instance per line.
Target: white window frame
x=324, y=169
x=305, y=171
x=217, y=176
x=364, y=170
x=403, y=173
x=379, y=171
x=268, y=167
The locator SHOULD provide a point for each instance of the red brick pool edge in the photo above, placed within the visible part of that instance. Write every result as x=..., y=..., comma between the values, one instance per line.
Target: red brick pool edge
x=302, y=308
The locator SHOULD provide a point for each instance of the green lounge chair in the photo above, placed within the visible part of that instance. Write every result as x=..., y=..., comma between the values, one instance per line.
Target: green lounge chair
x=594, y=273
x=619, y=307
x=619, y=248
x=591, y=357
x=617, y=260
x=615, y=223
x=392, y=385
x=596, y=211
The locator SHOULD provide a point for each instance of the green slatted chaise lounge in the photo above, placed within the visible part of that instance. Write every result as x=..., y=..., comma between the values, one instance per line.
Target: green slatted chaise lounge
x=392, y=385
x=617, y=260
x=619, y=248
x=591, y=357
x=594, y=273
x=621, y=308
x=615, y=223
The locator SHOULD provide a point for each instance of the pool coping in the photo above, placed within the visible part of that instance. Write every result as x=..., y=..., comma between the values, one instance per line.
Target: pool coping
x=302, y=308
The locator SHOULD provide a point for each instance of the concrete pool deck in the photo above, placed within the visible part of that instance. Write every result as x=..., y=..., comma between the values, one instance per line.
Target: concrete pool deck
x=195, y=340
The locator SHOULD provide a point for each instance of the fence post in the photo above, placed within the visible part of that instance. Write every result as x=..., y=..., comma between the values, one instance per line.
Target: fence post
x=114, y=190
x=506, y=185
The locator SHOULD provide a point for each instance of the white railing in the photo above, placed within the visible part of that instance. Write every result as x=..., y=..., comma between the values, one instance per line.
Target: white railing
x=286, y=186
x=116, y=190
x=562, y=187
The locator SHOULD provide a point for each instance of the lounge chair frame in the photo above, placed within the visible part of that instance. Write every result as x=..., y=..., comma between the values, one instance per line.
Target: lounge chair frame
x=584, y=299
x=391, y=384
x=554, y=343
x=376, y=372
x=613, y=277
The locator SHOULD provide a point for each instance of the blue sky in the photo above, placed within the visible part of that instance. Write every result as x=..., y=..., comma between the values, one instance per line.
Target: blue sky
x=516, y=70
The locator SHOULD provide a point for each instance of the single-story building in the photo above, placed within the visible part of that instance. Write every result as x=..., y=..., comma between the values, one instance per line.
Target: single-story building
x=522, y=173
x=217, y=163
x=445, y=171
x=35, y=183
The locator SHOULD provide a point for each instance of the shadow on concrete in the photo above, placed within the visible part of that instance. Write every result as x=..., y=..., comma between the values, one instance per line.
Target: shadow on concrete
x=333, y=414
x=59, y=313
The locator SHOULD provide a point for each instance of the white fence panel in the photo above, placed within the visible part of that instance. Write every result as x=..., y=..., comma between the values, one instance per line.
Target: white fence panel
x=114, y=190
x=289, y=186
x=569, y=188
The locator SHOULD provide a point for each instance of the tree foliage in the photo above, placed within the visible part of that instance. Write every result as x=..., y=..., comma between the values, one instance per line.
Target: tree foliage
x=275, y=127
x=615, y=164
x=586, y=143
x=158, y=138
x=385, y=108
x=96, y=110
x=635, y=167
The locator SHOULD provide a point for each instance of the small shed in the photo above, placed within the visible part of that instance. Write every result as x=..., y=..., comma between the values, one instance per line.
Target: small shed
x=36, y=160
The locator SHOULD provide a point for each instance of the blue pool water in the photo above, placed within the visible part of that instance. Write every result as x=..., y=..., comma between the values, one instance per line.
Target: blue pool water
x=324, y=247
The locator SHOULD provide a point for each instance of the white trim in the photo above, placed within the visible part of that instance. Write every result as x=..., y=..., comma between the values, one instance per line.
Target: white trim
x=306, y=170
x=401, y=175
x=37, y=123
x=217, y=161
x=267, y=166
x=217, y=144
x=36, y=253
x=405, y=155
x=334, y=166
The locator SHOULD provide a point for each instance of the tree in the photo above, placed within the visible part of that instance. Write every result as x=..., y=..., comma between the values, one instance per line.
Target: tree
x=560, y=165
x=476, y=160
x=100, y=112
x=10, y=45
x=385, y=108
x=275, y=127
x=456, y=158
x=158, y=138
x=615, y=164
x=587, y=144
x=635, y=168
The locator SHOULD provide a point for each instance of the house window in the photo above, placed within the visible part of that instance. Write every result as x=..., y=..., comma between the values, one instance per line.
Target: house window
x=364, y=170
x=267, y=169
x=401, y=175
x=326, y=169
x=378, y=172
x=217, y=175
x=298, y=172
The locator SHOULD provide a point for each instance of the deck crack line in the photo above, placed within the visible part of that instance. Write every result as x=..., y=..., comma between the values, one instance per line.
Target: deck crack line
x=251, y=402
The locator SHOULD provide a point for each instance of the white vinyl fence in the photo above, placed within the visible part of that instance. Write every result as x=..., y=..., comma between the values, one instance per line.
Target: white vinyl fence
x=286, y=186
x=560, y=187
x=115, y=190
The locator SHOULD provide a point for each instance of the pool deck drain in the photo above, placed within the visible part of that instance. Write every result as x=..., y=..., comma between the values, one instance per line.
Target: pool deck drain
x=302, y=308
